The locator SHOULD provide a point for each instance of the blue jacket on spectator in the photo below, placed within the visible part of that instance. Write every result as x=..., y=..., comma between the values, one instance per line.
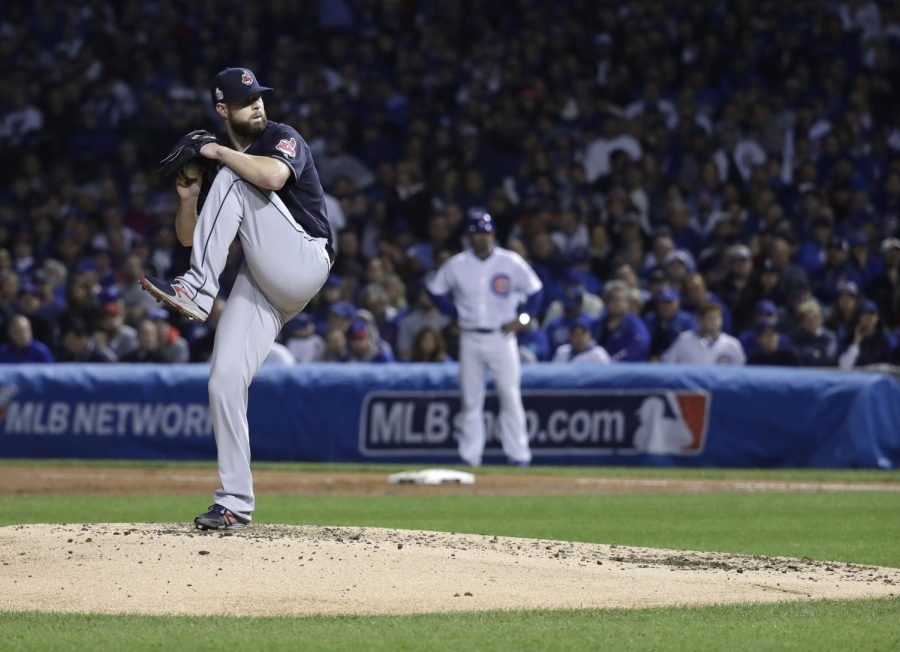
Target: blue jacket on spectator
x=629, y=342
x=34, y=352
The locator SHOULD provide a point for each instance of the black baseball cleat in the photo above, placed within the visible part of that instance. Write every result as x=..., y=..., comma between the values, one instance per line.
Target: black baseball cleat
x=175, y=296
x=220, y=518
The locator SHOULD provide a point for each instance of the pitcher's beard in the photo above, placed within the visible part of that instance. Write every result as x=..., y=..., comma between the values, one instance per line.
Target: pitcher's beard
x=249, y=130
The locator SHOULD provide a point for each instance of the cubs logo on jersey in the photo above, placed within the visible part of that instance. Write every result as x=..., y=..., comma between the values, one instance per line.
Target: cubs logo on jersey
x=247, y=79
x=287, y=147
x=500, y=284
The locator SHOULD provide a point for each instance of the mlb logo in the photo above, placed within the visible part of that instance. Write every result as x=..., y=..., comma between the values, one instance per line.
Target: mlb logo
x=672, y=423
x=500, y=284
x=247, y=79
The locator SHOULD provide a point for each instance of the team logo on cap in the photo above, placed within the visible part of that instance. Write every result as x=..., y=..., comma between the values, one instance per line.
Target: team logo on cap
x=246, y=79
x=500, y=284
x=287, y=147
x=219, y=94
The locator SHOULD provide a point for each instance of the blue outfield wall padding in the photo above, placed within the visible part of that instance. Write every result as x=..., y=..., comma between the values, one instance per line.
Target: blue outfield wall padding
x=626, y=414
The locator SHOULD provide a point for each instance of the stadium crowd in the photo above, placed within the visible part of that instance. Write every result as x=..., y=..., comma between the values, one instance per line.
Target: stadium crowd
x=719, y=172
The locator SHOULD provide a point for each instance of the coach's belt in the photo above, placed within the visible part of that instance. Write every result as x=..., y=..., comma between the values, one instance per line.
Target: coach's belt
x=330, y=251
x=481, y=330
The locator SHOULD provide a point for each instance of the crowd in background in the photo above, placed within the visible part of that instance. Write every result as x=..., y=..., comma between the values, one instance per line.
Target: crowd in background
x=656, y=163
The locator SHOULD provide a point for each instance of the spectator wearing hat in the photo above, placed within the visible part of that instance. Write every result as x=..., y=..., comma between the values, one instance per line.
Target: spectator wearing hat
x=678, y=264
x=79, y=346
x=870, y=344
x=835, y=270
x=815, y=345
x=43, y=317
x=621, y=333
x=811, y=253
x=666, y=321
x=884, y=289
x=763, y=311
x=768, y=284
x=769, y=348
x=580, y=346
x=362, y=346
x=339, y=315
x=114, y=332
x=591, y=303
x=707, y=344
x=558, y=329
x=738, y=290
x=844, y=311
x=302, y=340
x=20, y=346
x=864, y=265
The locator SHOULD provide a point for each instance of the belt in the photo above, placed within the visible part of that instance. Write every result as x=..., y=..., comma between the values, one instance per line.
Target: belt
x=481, y=330
x=330, y=251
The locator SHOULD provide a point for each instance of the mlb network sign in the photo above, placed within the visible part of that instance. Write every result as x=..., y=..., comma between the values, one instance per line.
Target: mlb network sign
x=589, y=422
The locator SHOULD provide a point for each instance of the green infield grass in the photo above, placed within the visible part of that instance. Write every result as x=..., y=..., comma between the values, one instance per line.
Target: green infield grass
x=862, y=527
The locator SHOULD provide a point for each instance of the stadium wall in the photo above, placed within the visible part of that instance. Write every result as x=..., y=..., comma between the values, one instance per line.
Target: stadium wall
x=635, y=414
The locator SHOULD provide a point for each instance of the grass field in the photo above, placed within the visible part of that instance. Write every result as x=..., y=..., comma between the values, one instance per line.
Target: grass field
x=861, y=527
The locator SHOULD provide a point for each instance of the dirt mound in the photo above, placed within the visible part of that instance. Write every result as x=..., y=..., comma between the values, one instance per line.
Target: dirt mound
x=294, y=570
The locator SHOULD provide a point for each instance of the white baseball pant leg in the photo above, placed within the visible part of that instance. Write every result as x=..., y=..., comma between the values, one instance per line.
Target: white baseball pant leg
x=502, y=357
x=498, y=353
x=284, y=268
x=471, y=384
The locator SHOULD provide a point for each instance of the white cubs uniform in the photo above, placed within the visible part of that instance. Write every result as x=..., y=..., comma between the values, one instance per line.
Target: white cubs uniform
x=690, y=347
x=487, y=294
x=594, y=353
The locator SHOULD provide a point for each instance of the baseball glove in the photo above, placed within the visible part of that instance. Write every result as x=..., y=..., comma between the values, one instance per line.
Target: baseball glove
x=185, y=159
x=187, y=149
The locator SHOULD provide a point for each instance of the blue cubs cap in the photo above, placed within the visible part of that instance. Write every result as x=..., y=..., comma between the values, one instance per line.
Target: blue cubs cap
x=301, y=321
x=868, y=306
x=358, y=328
x=583, y=321
x=342, y=309
x=480, y=222
x=235, y=85
x=667, y=294
x=765, y=307
x=847, y=287
x=573, y=297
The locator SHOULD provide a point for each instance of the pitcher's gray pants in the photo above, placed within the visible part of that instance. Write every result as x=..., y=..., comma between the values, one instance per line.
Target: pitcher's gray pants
x=284, y=268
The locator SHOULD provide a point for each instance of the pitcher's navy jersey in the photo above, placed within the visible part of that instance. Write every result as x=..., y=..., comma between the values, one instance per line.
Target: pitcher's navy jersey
x=302, y=193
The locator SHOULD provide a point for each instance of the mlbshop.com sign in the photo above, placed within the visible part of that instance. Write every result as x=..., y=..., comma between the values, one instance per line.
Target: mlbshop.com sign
x=592, y=422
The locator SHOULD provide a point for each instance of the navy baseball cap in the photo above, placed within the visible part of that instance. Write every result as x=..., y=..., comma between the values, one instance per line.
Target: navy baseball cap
x=573, y=297
x=667, y=294
x=765, y=307
x=343, y=309
x=358, y=328
x=235, y=85
x=868, y=306
x=583, y=321
x=301, y=321
x=848, y=287
x=480, y=222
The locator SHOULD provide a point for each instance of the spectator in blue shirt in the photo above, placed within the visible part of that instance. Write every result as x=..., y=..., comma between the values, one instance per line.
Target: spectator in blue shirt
x=666, y=321
x=764, y=312
x=558, y=329
x=22, y=347
x=621, y=333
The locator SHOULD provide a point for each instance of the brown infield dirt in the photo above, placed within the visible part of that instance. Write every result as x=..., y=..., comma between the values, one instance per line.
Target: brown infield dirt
x=304, y=570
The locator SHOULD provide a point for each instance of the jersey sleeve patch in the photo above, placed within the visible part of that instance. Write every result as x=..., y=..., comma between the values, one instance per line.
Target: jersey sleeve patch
x=288, y=147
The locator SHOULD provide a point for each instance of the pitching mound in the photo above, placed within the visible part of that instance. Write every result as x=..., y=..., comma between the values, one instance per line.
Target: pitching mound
x=296, y=570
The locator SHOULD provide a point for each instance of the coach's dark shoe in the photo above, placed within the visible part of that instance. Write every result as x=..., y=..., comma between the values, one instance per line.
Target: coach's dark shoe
x=175, y=296
x=220, y=518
